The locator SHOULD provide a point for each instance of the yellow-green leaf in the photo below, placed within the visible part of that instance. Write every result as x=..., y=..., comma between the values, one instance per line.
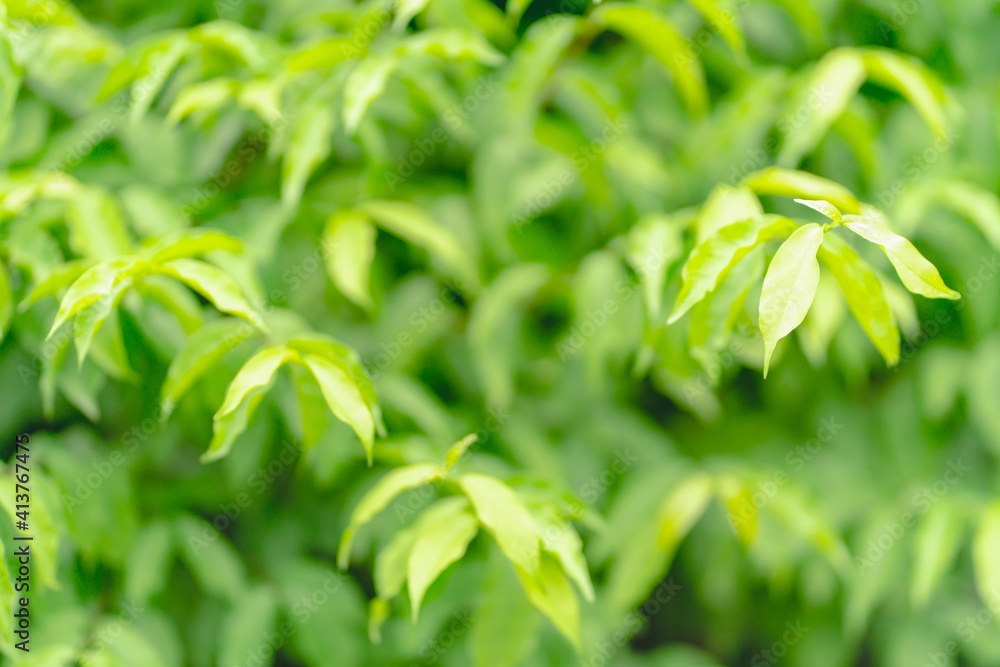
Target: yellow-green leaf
x=918, y=274
x=349, y=243
x=443, y=535
x=345, y=398
x=505, y=517
x=656, y=35
x=792, y=183
x=379, y=497
x=864, y=294
x=789, y=287
x=711, y=261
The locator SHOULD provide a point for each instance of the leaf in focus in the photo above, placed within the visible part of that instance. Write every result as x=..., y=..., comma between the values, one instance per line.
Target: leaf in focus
x=789, y=287
x=919, y=275
x=864, y=294
x=711, y=261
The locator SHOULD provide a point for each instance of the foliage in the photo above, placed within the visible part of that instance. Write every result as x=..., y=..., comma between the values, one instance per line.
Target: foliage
x=477, y=300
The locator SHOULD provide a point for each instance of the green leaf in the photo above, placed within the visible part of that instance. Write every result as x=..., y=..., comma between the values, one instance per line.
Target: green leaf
x=551, y=593
x=90, y=287
x=656, y=35
x=912, y=79
x=90, y=320
x=379, y=497
x=976, y=203
x=214, y=284
x=455, y=44
x=349, y=243
x=192, y=243
x=652, y=246
x=724, y=206
x=390, y=564
x=505, y=518
x=96, y=224
x=919, y=275
x=711, y=261
x=791, y=183
x=175, y=299
x=824, y=207
x=204, y=97
x=413, y=224
x=6, y=601
x=823, y=320
x=312, y=406
x=443, y=535
x=309, y=144
x=10, y=84
x=680, y=510
x=405, y=11
x=831, y=86
x=560, y=540
x=457, y=451
x=737, y=497
x=723, y=22
x=937, y=543
x=44, y=534
x=212, y=560
x=347, y=360
x=789, y=287
x=345, y=399
x=244, y=393
x=363, y=86
x=6, y=302
x=864, y=294
x=202, y=351
x=505, y=630
x=985, y=547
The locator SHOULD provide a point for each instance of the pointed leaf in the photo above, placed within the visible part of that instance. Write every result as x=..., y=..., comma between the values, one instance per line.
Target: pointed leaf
x=919, y=275
x=442, y=539
x=789, y=287
x=711, y=261
x=349, y=243
x=214, y=284
x=379, y=497
x=791, y=183
x=864, y=294
x=345, y=398
x=505, y=517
